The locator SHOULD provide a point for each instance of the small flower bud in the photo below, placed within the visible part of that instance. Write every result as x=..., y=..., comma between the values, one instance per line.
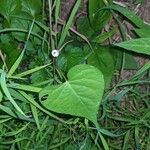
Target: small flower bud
x=55, y=53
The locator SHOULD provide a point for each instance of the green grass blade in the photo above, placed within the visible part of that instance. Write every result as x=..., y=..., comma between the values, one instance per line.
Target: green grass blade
x=18, y=61
x=142, y=70
x=105, y=145
x=129, y=15
x=57, y=8
x=2, y=121
x=68, y=24
x=137, y=140
x=126, y=139
x=7, y=93
x=31, y=71
x=13, y=141
x=15, y=65
x=138, y=74
x=25, y=87
x=8, y=111
x=13, y=133
x=26, y=31
x=35, y=115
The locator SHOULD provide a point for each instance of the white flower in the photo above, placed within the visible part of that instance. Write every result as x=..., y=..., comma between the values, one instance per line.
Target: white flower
x=55, y=53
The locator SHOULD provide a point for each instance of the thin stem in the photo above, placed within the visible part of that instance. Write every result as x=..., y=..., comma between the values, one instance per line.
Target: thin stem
x=50, y=25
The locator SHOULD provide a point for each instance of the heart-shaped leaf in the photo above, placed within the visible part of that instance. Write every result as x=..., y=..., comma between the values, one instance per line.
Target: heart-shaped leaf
x=79, y=96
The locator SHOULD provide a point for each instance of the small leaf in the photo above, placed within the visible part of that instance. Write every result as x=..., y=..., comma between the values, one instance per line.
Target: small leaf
x=9, y=8
x=11, y=52
x=22, y=24
x=84, y=27
x=79, y=96
x=72, y=55
x=140, y=45
x=32, y=7
x=98, y=19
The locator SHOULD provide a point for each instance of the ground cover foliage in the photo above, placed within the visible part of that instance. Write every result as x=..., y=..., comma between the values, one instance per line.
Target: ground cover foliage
x=61, y=84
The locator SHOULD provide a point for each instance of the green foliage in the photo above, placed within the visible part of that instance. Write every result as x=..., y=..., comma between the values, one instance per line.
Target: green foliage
x=77, y=100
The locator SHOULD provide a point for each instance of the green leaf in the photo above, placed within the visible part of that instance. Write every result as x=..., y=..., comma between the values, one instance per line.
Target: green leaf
x=25, y=87
x=13, y=133
x=16, y=64
x=84, y=27
x=98, y=19
x=8, y=111
x=39, y=77
x=25, y=73
x=19, y=59
x=105, y=145
x=32, y=7
x=140, y=45
x=103, y=60
x=71, y=56
x=9, y=8
x=22, y=24
x=11, y=52
x=7, y=93
x=80, y=95
x=57, y=10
